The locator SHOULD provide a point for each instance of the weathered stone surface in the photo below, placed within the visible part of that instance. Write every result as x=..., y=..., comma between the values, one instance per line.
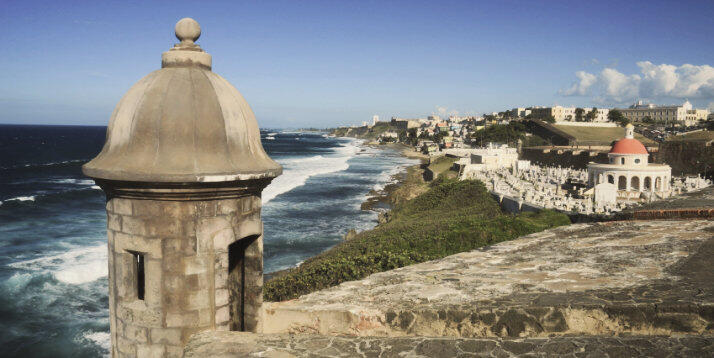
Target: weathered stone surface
x=627, y=277
x=238, y=344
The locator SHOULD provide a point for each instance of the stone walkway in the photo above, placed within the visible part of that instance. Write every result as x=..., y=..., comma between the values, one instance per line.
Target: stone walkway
x=234, y=344
x=615, y=278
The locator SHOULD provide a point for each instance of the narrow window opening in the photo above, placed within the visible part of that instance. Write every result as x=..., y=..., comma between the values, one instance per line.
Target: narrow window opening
x=138, y=261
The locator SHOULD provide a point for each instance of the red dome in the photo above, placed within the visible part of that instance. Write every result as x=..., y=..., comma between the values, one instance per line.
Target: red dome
x=628, y=146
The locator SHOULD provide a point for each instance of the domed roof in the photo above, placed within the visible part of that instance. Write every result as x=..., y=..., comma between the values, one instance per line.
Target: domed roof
x=183, y=123
x=628, y=146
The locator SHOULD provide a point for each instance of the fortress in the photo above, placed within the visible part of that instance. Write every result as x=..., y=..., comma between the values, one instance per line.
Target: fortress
x=183, y=169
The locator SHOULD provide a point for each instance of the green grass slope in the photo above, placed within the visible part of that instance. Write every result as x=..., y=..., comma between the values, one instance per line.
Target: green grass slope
x=452, y=217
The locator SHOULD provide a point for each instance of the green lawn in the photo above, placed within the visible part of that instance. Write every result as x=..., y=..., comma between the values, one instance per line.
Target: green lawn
x=600, y=135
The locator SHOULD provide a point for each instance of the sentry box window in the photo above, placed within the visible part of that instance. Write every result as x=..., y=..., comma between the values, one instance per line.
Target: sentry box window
x=138, y=268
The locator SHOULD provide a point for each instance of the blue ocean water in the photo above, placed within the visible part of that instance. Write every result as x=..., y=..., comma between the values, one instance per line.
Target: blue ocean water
x=53, y=261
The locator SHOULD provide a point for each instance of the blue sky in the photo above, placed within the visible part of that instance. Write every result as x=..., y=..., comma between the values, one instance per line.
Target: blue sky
x=323, y=63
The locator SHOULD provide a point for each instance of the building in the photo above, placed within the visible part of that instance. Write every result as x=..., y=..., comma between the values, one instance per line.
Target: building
x=492, y=157
x=520, y=112
x=404, y=124
x=683, y=114
x=375, y=119
x=183, y=169
x=567, y=114
x=629, y=170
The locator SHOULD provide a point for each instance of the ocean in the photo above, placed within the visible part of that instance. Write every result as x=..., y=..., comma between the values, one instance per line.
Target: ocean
x=53, y=255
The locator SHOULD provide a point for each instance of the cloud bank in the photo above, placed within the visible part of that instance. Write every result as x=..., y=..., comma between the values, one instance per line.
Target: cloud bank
x=653, y=82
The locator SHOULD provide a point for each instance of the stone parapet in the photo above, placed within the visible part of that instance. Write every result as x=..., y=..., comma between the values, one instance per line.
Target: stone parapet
x=234, y=344
x=615, y=278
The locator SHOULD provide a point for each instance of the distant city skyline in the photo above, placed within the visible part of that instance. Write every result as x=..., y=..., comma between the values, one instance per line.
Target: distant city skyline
x=326, y=63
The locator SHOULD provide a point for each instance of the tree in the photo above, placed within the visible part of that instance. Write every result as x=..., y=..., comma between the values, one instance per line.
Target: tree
x=590, y=117
x=579, y=114
x=647, y=120
x=617, y=117
x=549, y=119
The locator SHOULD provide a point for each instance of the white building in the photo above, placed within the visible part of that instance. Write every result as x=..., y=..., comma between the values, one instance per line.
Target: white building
x=683, y=114
x=567, y=114
x=492, y=157
x=375, y=119
x=628, y=169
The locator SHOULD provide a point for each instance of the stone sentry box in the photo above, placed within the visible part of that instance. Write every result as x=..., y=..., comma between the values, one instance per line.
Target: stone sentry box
x=183, y=169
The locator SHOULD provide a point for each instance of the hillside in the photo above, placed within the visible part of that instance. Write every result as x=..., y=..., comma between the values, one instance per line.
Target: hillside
x=451, y=217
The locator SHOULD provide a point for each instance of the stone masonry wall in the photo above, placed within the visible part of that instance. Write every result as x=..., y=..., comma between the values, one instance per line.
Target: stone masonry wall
x=185, y=245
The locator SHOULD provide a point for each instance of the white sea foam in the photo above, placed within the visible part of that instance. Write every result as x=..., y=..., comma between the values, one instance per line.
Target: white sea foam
x=96, y=187
x=22, y=198
x=74, y=181
x=101, y=339
x=270, y=138
x=76, y=266
x=297, y=171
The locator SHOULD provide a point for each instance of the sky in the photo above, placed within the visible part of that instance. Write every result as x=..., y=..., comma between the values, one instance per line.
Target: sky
x=328, y=63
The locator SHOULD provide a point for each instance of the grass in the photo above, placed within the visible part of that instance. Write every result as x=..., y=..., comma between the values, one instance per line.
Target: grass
x=600, y=135
x=696, y=136
x=442, y=165
x=451, y=217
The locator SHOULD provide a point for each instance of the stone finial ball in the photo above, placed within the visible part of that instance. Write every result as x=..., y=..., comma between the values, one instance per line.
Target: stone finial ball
x=187, y=29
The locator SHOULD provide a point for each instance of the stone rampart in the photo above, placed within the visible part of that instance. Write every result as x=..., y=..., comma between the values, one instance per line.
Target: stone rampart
x=616, y=278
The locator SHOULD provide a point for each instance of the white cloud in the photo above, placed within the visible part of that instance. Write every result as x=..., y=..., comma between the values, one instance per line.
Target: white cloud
x=653, y=82
x=445, y=112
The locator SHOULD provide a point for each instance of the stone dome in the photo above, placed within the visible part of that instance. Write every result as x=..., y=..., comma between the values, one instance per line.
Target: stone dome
x=183, y=124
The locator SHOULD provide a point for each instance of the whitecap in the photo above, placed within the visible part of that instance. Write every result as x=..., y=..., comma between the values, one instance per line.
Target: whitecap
x=102, y=339
x=297, y=171
x=22, y=198
x=74, y=267
x=270, y=138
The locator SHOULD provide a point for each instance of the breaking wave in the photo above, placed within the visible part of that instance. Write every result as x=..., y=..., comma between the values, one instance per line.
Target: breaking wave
x=297, y=171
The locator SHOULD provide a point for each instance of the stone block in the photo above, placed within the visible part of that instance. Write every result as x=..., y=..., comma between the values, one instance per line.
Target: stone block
x=206, y=228
x=227, y=207
x=196, y=265
x=185, y=319
x=222, y=239
x=113, y=222
x=124, y=243
x=133, y=225
x=222, y=297
x=138, y=314
x=205, y=317
x=198, y=300
x=152, y=283
x=135, y=333
x=247, y=204
x=220, y=279
x=126, y=346
x=223, y=314
x=174, y=352
x=149, y=351
x=249, y=227
x=122, y=206
x=168, y=336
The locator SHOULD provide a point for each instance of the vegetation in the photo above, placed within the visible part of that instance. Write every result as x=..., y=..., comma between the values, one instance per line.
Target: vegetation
x=590, y=116
x=579, y=114
x=616, y=116
x=451, y=217
x=599, y=135
x=442, y=165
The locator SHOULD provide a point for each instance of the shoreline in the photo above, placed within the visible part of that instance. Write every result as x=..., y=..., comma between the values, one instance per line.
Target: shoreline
x=402, y=186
